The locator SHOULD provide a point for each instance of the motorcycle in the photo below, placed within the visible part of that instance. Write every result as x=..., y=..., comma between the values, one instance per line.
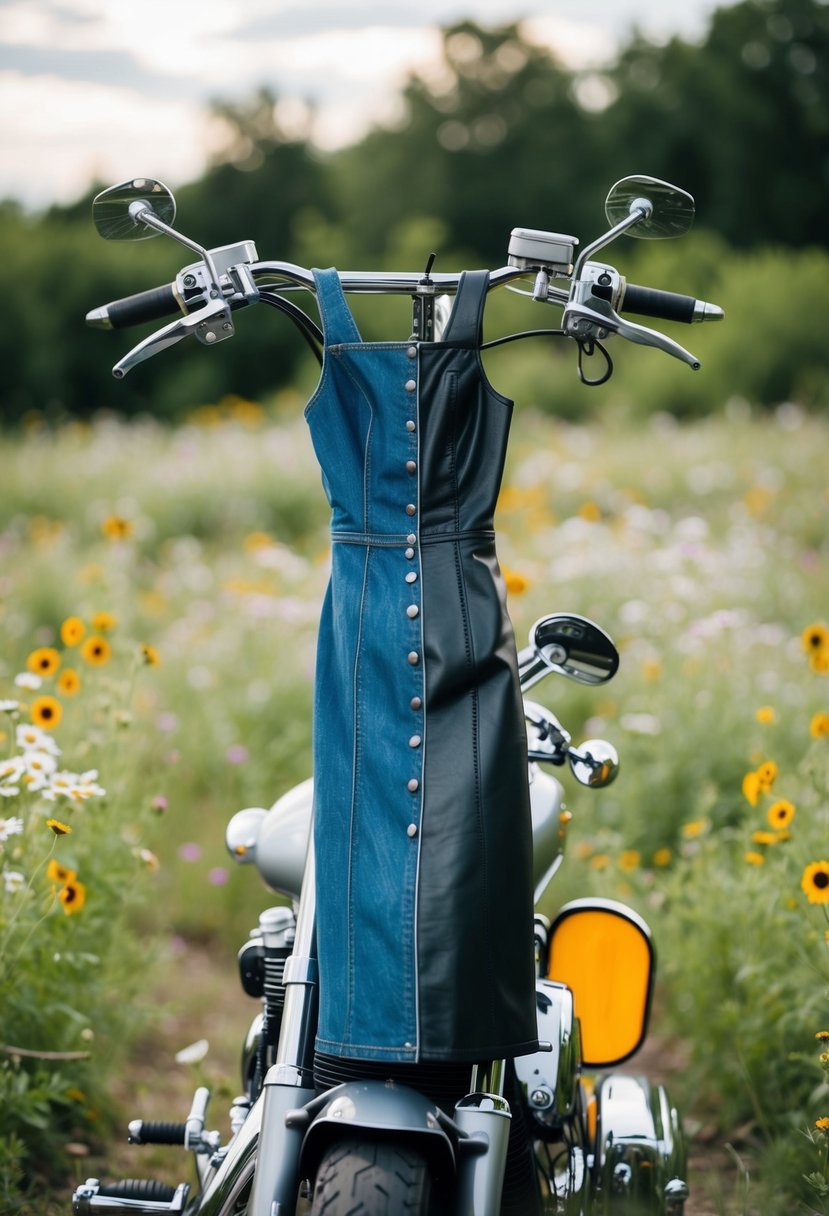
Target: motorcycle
x=560, y=1130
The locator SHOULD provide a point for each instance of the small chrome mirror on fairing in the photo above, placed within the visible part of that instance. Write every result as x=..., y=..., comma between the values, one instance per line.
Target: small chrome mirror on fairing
x=571, y=646
x=116, y=212
x=666, y=210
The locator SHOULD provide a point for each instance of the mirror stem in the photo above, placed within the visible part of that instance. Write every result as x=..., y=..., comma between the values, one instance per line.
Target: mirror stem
x=640, y=209
x=142, y=213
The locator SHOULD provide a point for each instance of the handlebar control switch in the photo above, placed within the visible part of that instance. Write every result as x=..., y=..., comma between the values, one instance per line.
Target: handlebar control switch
x=534, y=249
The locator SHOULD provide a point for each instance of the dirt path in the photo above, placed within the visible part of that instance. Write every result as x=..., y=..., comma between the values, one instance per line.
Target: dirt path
x=201, y=999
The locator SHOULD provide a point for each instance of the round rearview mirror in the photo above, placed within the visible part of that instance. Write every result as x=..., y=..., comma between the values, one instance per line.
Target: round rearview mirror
x=114, y=213
x=669, y=210
x=570, y=645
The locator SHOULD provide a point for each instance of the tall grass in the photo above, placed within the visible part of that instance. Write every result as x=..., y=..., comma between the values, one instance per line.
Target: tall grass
x=701, y=547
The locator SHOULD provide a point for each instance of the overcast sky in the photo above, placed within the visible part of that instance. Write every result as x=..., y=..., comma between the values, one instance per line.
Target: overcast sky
x=109, y=89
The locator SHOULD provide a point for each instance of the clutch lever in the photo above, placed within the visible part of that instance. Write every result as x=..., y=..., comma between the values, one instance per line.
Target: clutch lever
x=211, y=323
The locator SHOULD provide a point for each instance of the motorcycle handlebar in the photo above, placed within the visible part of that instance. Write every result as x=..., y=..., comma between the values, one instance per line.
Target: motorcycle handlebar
x=665, y=305
x=144, y=306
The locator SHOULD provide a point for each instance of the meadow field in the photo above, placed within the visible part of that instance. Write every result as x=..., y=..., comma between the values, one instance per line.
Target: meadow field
x=159, y=593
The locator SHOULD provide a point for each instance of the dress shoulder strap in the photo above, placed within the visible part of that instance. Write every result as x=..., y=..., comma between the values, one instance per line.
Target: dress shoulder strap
x=465, y=326
x=338, y=324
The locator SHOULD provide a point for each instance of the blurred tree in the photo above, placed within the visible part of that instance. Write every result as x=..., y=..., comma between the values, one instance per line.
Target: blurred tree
x=491, y=137
x=742, y=120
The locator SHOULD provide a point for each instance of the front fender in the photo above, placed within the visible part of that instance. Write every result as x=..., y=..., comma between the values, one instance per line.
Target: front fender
x=373, y=1109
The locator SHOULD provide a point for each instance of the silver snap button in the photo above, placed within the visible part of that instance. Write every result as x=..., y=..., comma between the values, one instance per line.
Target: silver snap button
x=414, y=658
x=413, y=785
x=410, y=553
x=416, y=702
x=410, y=426
x=410, y=508
x=411, y=466
x=412, y=611
x=411, y=830
x=411, y=577
x=415, y=741
x=411, y=538
x=410, y=386
x=412, y=352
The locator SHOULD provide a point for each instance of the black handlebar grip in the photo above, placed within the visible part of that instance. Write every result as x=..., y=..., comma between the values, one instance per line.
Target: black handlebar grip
x=650, y=302
x=142, y=1132
x=143, y=306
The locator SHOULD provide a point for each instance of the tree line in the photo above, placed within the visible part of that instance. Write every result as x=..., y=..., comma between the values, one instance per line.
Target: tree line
x=503, y=135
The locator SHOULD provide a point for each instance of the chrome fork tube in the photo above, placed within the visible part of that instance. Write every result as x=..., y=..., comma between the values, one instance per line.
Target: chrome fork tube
x=484, y=1115
x=289, y=1084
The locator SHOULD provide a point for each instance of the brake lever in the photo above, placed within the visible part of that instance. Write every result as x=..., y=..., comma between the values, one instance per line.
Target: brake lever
x=211, y=324
x=591, y=323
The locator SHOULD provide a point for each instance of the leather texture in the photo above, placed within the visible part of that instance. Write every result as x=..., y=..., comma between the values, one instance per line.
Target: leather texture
x=422, y=814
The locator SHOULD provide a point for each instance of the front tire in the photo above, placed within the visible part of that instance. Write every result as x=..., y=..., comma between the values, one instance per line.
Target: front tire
x=372, y=1178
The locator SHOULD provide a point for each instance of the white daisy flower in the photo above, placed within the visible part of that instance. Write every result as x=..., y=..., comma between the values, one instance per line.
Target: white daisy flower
x=31, y=738
x=9, y=707
x=13, y=881
x=10, y=827
x=27, y=679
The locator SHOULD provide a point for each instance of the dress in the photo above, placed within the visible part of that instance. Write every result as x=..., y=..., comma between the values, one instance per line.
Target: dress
x=421, y=803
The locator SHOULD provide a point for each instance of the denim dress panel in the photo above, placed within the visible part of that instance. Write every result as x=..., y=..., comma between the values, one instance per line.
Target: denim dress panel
x=421, y=817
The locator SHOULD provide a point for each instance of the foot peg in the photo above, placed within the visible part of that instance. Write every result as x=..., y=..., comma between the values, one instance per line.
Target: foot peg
x=139, y=1196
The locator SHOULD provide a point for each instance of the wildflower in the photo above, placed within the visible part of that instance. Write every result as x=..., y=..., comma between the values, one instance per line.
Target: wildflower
x=815, y=638
x=10, y=827
x=189, y=851
x=764, y=837
x=754, y=859
x=237, y=753
x=69, y=682
x=72, y=631
x=148, y=858
x=194, y=1053
x=150, y=655
x=629, y=859
x=96, y=650
x=822, y=1035
x=13, y=881
x=822, y=1124
x=44, y=661
x=104, y=622
x=815, y=882
x=516, y=583
x=59, y=874
x=765, y=715
x=218, y=876
x=30, y=737
x=819, y=725
x=819, y=661
x=751, y=788
x=159, y=804
x=60, y=829
x=28, y=680
x=599, y=861
x=662, y=857
x=695, y=828
x=590, y=511
x=766, y=774
x=46, y=712
x=781, y=813
x=115, y=527
x=73, y=896
x=9, y=707
x=651, y=670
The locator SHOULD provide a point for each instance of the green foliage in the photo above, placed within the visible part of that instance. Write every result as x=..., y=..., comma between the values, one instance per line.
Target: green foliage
x=701, y=546
x=498, y=134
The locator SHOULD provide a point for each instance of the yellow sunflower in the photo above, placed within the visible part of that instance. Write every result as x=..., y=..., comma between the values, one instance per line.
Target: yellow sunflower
x=60, y=829
x=765, y=715
x=96, y=650
x=46, y=712
x=815, y=882
x=819, y=725
x=754, y=859
x=72, y=631
x=55, y=872
x=815, y=638
x=115, y=527
x=44, y=661
x=150, y=655
x=68, y=682
x=104, y=622
x=781, y=813
x=766, y=774
x=73, y=896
